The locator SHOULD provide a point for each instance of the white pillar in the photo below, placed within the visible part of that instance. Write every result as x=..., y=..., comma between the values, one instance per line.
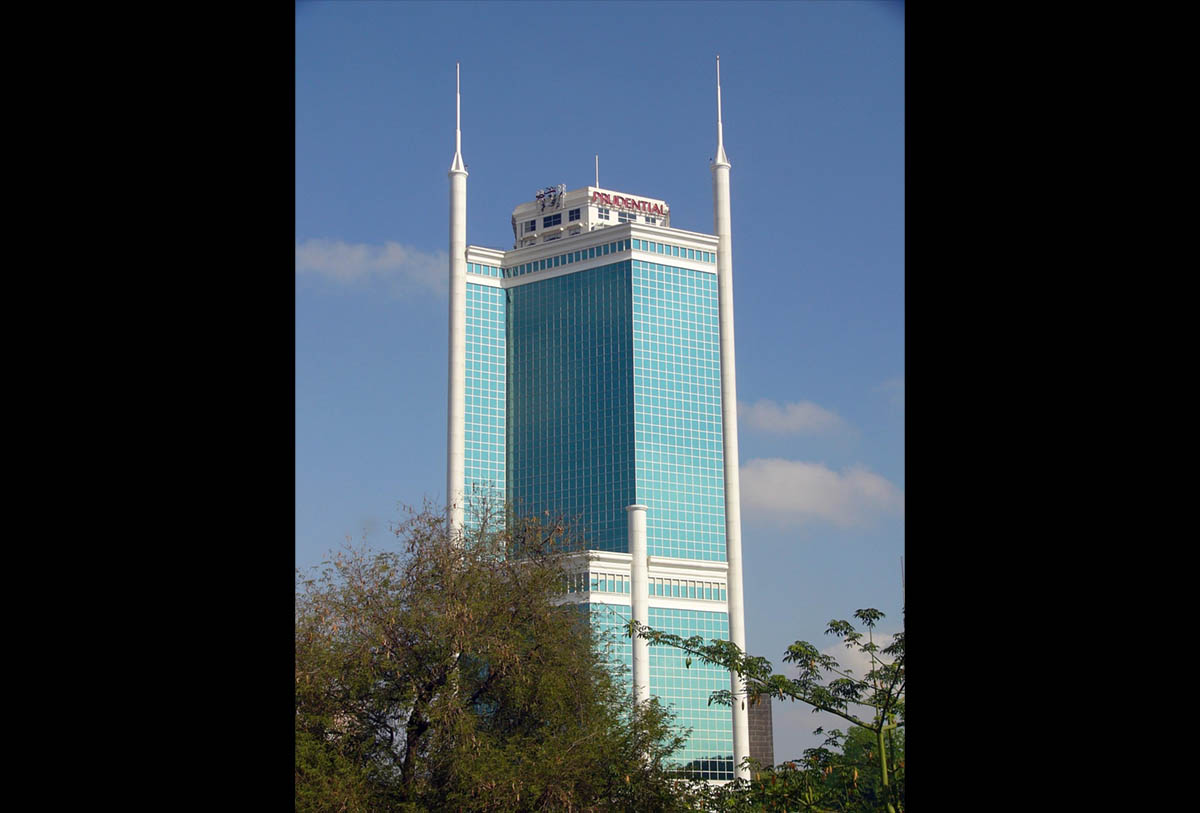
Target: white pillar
x=729, y=436
x=639, y=599
x=457, y=367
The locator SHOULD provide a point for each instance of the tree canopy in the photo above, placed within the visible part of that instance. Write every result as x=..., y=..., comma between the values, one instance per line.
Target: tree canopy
x=449, y=674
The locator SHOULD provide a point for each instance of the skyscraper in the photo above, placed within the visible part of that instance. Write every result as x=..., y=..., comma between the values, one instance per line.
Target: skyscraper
x=591, y=376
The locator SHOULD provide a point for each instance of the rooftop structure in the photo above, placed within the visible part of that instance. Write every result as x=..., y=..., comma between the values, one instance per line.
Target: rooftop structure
x=556, y=213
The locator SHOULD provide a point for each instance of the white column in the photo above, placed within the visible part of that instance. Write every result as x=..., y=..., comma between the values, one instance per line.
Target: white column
x=729, y=436
x=457, y=367
x=639, y=599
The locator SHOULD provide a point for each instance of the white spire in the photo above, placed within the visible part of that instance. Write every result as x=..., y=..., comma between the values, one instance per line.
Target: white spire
x=457, y=164
x=729, y=436
x=456, y=371
x=720, y=159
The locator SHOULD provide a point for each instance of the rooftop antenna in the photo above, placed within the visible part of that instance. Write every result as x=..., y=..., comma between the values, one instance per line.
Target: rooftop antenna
x=721, y=159
x=458, y=162
x=597, y=169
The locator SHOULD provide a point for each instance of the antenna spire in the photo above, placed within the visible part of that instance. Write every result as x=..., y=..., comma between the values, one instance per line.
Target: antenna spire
x=597, y=169
x=457, y=165
x=720, y=159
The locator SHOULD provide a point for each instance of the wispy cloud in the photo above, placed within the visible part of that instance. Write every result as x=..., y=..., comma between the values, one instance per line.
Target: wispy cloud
x=803, y=417
x=404, y=270
x=852, y=658
x=792, y=492
x=893, y=388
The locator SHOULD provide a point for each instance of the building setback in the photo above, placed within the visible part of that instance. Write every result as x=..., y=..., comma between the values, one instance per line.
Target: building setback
x=591, y=376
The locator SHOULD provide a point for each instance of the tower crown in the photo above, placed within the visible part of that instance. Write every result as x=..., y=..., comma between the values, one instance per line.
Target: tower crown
x=556, y=213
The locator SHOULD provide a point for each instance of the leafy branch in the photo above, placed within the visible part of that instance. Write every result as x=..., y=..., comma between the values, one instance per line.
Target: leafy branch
x=881, y=689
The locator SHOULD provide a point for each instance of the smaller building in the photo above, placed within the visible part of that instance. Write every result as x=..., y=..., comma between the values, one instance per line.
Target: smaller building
x=762, y=735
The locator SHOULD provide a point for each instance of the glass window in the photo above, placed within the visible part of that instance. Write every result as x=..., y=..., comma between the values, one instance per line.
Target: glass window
x=572, y=215
x=552, y=220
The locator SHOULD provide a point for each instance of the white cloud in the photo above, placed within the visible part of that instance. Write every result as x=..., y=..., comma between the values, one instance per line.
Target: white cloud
x=793, y=492
x=859, y=663
x=804, y=417
x=403, y=269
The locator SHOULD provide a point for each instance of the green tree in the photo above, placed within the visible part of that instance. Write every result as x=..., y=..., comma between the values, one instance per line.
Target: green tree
x=449, y=675
x=819, y=781
x=860, y=752
x=839, y=775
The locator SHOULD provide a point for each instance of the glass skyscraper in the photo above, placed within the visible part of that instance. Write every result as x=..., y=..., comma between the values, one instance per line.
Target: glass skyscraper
x=589, y=378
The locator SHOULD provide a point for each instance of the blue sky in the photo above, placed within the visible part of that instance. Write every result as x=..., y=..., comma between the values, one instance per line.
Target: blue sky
x=813, y=97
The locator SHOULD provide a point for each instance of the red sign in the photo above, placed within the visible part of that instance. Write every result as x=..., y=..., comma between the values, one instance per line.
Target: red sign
x=627, y=203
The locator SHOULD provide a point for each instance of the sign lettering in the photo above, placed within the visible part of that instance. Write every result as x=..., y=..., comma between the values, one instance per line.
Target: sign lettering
x=621, y=202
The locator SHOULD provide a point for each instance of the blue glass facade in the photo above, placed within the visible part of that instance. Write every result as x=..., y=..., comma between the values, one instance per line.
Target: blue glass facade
x=597, y=389
x=677, y=397
x=708, y=753
x=570, y=401
x=709, y=750
x=484, y=401
x=609, y=620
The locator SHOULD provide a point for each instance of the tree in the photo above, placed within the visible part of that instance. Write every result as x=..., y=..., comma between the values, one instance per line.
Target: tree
x=860, y=752
x=880, y=689
x=448, y=675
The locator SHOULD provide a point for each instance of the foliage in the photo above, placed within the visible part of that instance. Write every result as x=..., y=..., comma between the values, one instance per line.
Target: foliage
x=860, y=752
x=449, y=675
x=824, y=779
